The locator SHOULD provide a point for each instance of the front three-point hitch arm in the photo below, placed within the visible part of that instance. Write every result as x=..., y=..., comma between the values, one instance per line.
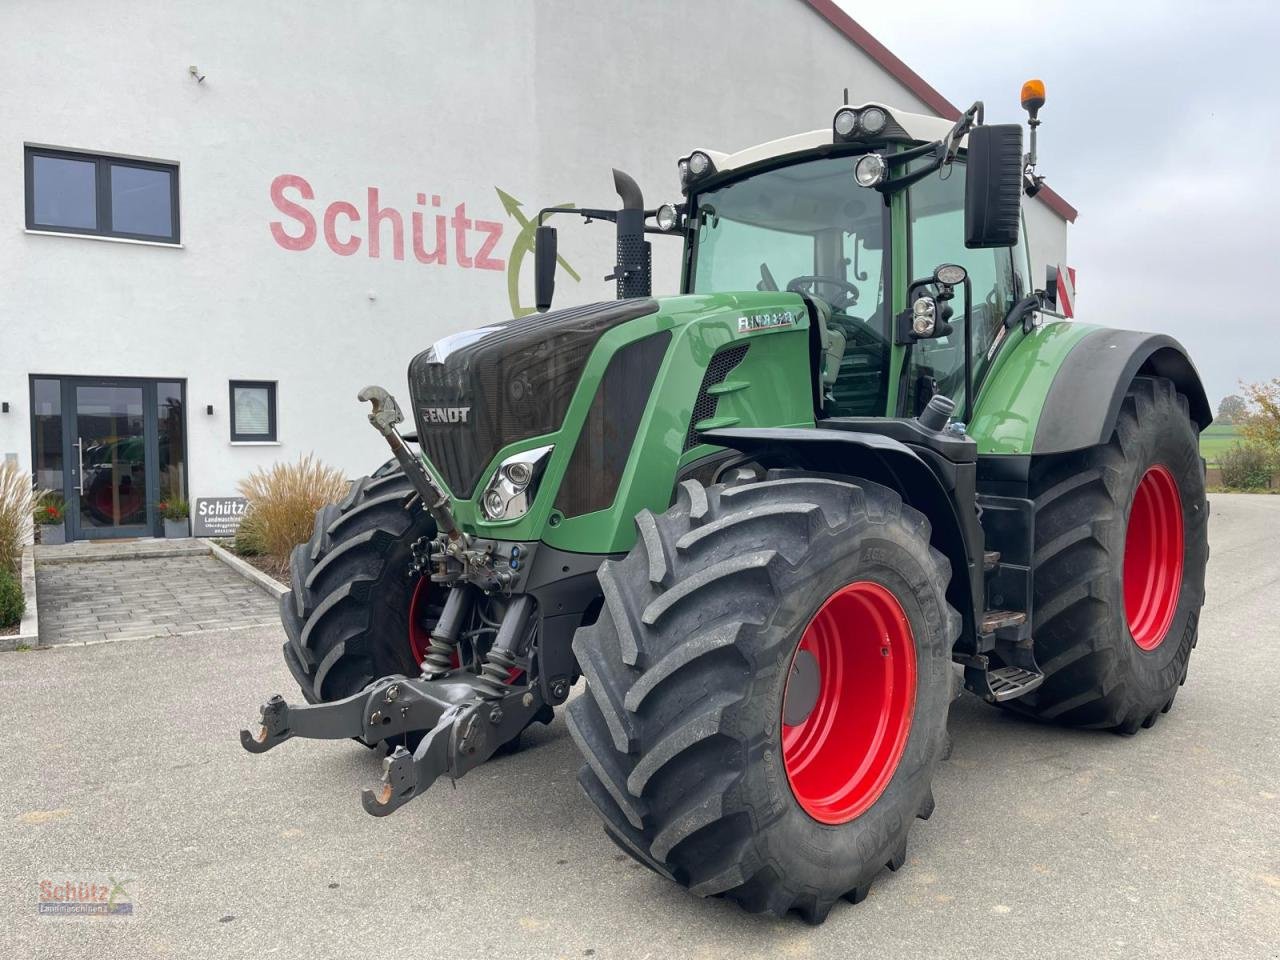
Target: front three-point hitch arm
x=463, y=725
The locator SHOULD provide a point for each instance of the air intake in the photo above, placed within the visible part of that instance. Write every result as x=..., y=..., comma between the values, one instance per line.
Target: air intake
x=722, y=364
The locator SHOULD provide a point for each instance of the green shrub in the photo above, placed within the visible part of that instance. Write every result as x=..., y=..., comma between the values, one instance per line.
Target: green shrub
x=285, y=498
x=17, y=501
x=12, y=603
x=1245, y=467
x=248, y=541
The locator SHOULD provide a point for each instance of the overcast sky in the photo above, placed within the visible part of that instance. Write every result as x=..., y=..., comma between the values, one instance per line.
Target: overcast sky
x=1160, y=128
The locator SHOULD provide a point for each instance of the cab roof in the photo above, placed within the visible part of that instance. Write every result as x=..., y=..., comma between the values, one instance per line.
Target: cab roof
x=901, y=127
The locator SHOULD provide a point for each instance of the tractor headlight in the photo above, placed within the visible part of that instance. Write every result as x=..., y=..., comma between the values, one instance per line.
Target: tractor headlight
x=667, y=217
x=924, y=314
x=511, y=490
x=845, y=122
x=699, y=163
x=870, y=170
x=872, y=120
x=494, y=508
x=683, y=167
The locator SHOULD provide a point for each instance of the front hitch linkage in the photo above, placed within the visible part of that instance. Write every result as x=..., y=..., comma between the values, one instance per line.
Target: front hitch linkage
x=385, y=416
x=463, y=730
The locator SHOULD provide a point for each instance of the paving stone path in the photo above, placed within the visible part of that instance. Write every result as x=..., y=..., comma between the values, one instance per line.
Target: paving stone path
x=125, y=599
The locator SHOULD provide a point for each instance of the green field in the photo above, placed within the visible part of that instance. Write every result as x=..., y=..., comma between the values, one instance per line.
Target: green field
x=1218, y=439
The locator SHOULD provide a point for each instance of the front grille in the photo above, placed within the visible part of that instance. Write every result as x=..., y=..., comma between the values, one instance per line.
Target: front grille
x=704, y=407
x=609, y=433
x=477, y=392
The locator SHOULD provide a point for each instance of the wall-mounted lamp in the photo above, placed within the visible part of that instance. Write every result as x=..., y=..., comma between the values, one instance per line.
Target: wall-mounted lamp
x=209, y=410
x=195, y=72
x=4, y=407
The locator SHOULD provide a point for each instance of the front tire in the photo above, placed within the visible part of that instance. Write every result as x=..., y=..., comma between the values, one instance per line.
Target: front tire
x=355, y=613
x=723, y=748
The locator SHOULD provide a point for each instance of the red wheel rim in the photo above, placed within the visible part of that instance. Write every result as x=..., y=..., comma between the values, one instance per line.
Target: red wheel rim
x=419, y=635
x=1153, y=550
x=845, y=727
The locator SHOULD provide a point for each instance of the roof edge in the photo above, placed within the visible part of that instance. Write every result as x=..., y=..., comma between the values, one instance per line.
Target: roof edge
x=877, y=51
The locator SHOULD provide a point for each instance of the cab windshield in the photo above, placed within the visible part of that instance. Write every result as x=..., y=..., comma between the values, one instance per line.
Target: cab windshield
x=808, y=228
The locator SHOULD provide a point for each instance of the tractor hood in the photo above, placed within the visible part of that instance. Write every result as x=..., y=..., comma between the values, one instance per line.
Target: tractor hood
x=606, y=403
x=475, y=392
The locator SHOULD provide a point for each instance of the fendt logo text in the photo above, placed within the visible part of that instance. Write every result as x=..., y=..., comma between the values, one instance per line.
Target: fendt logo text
x=765, y=321
x=446, y=414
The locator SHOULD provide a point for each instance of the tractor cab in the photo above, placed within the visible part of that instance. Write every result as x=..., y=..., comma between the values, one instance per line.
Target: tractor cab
x=857, y=219
x=849, y=218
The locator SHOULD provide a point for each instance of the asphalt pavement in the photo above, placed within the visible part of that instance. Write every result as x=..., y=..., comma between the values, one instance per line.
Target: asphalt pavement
x=121, y=760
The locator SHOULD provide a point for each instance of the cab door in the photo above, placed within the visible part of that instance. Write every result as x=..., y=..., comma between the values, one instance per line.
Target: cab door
x=935, y=209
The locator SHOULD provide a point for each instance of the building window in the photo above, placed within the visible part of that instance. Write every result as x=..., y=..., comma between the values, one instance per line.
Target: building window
x=101, y=196
x=253, y=411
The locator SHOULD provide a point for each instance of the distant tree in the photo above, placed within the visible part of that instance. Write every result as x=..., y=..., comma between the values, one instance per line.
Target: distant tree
x=1232, y=409
x=1261, y=424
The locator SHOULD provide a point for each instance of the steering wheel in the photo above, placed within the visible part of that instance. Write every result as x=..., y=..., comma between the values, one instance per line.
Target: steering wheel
x=808, y=284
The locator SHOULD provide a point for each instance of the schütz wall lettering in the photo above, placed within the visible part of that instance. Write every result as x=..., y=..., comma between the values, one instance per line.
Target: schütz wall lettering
x=346, y=230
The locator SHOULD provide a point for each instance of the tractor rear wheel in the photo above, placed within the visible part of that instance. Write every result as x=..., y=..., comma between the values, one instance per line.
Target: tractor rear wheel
x=1121, y=536
x=355, y=613
x=767, y=690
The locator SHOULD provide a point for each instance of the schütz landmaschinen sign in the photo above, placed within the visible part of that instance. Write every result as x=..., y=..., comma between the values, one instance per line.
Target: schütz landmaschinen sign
x=218, y=516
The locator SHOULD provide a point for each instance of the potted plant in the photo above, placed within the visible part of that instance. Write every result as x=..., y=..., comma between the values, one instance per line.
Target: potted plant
x=50, y=515
x=175, y=511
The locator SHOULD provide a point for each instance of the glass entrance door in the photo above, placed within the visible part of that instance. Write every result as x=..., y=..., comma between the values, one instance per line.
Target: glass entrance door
x=111, y=472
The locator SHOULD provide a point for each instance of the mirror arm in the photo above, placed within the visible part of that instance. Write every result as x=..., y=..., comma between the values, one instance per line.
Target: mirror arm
x=940, y=157
x=585, y=212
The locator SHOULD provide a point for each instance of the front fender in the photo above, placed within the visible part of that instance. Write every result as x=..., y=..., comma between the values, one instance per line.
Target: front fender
x=882, y=460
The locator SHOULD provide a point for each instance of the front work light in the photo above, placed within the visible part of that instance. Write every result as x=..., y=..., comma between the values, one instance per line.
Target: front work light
x=923, y=314
x=699, y=163
x=872, y=120
x=846, y=122
x=667, y=217
x=870, y=170
x=510, y=492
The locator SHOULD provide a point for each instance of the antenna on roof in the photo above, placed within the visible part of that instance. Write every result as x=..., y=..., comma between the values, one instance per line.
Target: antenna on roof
x=846, y=96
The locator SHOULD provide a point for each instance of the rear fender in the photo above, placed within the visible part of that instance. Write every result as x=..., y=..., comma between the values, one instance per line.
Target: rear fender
x=1083, y=402
x=883, y=460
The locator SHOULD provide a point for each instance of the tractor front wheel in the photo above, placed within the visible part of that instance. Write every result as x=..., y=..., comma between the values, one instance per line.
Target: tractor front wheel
x=355, y=613
x=767, y=690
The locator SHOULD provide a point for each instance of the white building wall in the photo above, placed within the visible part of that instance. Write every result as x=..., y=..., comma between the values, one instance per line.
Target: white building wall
x=448, y=99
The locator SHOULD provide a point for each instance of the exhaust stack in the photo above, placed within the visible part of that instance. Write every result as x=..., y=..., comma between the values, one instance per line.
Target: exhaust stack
x=634, y=271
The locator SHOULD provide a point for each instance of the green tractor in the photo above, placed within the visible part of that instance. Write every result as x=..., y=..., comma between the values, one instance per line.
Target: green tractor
x=774, y=522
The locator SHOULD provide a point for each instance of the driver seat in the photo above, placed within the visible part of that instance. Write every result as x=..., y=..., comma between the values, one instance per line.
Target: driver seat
x=833, y=342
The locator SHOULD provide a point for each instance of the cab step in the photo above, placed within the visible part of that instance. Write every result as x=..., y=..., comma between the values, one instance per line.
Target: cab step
x=1009, y=683
x=994, y=620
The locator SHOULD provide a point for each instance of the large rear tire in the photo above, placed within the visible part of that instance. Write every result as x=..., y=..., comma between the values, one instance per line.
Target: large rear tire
x=355, y=612
x=767, y=690
x=1121, y=536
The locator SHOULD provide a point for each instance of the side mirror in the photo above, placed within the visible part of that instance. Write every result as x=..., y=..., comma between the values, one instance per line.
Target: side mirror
x=993, y=186
x=544, y=267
